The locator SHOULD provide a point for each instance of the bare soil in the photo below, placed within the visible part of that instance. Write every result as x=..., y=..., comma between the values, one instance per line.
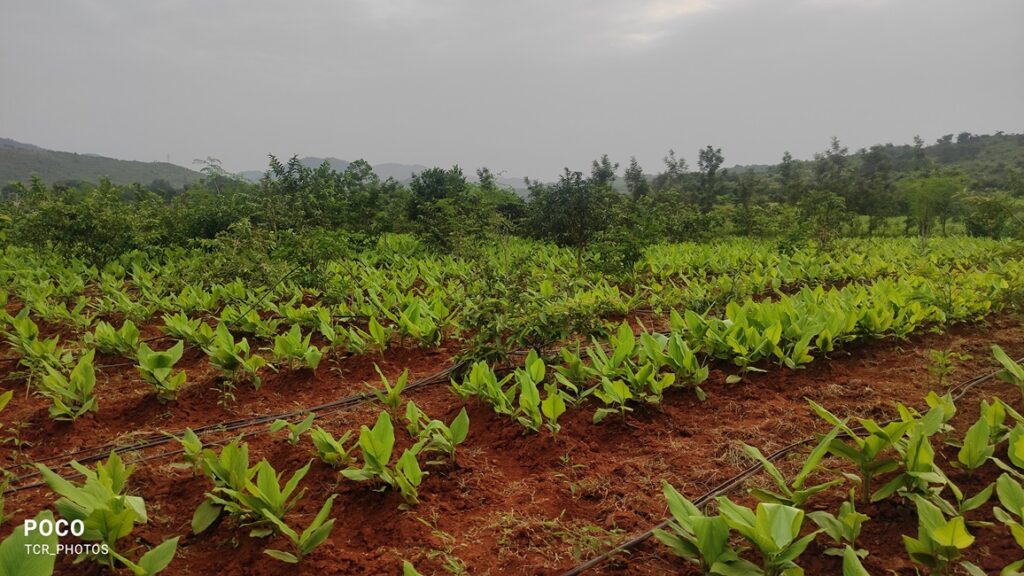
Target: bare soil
x=514, y=503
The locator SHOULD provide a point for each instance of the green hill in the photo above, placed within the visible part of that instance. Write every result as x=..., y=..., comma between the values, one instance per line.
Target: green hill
x=990, y=160
x=19, y=162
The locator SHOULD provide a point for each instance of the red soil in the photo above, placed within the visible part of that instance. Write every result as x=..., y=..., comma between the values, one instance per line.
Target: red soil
x=515, y=503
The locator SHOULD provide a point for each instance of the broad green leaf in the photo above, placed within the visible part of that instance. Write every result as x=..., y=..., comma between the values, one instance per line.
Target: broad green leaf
x=205, y=515
x=953, y=534
x=16, y=561
x=851, y=563
x=282, y=556
x=158, y=558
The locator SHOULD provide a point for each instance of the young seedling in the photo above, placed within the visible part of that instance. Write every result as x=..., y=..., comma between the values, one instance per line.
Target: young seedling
x=1012, y=372
x=37, y=355
x=72, y=395
x=552, y=407
x=940, y=542
x=376, y=445
x=157, y=368
x=379, y=335
x=124, y=340
x=774, y=530
x=702, y=540
x=483, y=382
x=391, y=395
x=943, y=363
x=865, y=452
x=921, y=475
x=615, y=395
x=330, y=450
x=843, y=528
x=229, y=470
x=302, y=544
x=254, y=496
x=192, y=448
x=433, y=435
x=976, y=448
x=528, y=378
x=296, y=430
x=294, y=351
x=233, y=358
x=195, y=332
x=795, y=494
x=107, y=513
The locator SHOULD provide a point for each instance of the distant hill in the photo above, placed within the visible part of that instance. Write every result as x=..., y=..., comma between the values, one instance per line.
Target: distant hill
x=987, y=158
x=20, y=161
x=8, y=143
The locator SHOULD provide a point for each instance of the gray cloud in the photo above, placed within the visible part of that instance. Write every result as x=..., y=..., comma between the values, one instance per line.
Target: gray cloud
x=527, y=86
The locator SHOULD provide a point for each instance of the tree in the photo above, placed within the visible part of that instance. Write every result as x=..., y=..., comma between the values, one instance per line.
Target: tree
x=672, y=177
x=571, y=212
x=931, y=198
x=636, y=183
x=823, y=213
x=919, y=160
x=792, y=183
x=874, y=186
x=747, y=187
x=832, y=171
x=432, y=185
x=991, y=214
x=709, y=161
x=446, y=211
x=602, y=172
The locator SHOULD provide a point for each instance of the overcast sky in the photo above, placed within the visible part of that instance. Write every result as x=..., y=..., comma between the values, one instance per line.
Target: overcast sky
x=525, y=86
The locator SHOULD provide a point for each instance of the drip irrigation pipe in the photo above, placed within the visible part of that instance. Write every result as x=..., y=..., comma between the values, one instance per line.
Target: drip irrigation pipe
x=738, y=479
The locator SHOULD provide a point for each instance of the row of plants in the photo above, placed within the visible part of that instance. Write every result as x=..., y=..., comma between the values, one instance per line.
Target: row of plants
x=791, y=331
x=253, y=497
x=425, y=297
x=770, y=538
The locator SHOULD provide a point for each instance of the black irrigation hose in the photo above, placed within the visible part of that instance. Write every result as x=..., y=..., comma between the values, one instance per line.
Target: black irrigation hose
x=729, y=484
x=164, y=438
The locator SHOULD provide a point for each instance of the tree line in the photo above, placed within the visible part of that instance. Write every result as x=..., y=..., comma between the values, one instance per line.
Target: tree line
x=608, y=212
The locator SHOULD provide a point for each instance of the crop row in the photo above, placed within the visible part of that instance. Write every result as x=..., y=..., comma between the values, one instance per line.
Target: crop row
x=791, y=331
x=767, y=539
x=770, y=538
x=527, y=293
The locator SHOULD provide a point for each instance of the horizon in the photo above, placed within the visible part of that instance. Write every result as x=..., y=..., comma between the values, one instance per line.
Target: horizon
x=470, y=171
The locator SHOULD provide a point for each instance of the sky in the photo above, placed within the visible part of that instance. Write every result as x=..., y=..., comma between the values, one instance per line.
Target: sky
x=524, y=87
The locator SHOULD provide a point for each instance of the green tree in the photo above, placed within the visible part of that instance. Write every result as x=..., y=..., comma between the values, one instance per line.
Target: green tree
x=748, y=188
x=671, y=179
x=875, y=186
x=571, y=212
x=919, y=160
x=931, y=199
x=602, y=171
x=832, y=170
x=822, y=215
x=791, y=180
x=709, y=161
x=636, y=184
x=449, y=213
x=992, y=214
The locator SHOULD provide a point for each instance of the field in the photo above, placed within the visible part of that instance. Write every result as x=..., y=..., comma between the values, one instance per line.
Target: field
x=545, y=409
